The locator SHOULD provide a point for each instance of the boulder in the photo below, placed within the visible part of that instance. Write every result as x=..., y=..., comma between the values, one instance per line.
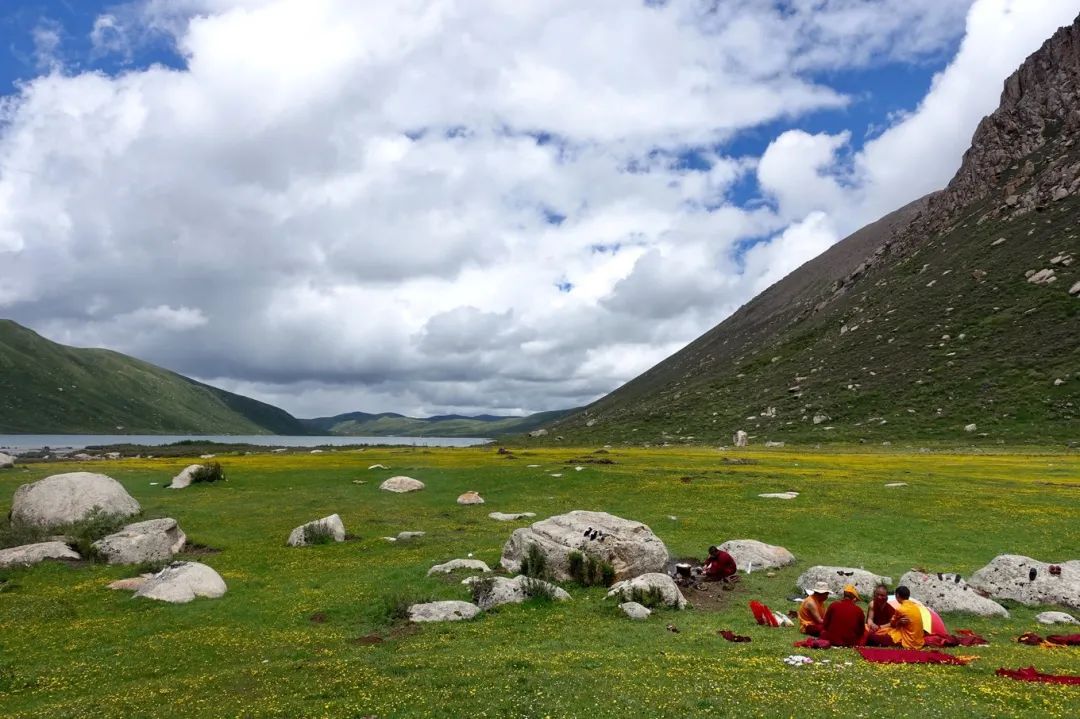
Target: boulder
x=406, y=536
x=837, y=577
x=635, y=610
x=378, y=466
x=1008, y=576
x=455, y=565
x=652, y=582
x=950, y=593
x=1055, y=618
x=630, y=547
x=740, y=439
x=1075, y=289
x=401, y=485
x=30, y=554
x=181, y=582
x=470, y=498
x=538, y=433
x=447, y=611
x=331, y=524
x=155, y=540
x=500, y=590
x=67, y=498
x=779, y=495
x=771, y=444
x=970, y=427
x=750, y=553
x=183, y=479
x=503, y=517
x=6, y=461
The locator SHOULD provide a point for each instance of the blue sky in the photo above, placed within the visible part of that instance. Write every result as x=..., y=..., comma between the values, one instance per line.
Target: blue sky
x=481, y=207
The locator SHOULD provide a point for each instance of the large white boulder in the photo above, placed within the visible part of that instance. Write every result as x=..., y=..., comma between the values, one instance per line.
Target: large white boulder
x=30, y=554
x=6, y=461
x=447, y=611
x=500, y=590
x=181, y=582
x=459, y=565
x=635, y=610
x=837, y=577
x=655, y=582
x=1009, y=576
x=66, y=498
x=155, y=540
x=504, y=517
x=950, y=593
x=183, y=479
x=401, y=485
x=630, y=547
x=750, y=553
x=332, y=524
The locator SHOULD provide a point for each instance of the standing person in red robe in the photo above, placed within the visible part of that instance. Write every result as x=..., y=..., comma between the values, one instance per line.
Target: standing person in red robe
x=845, y=624
x=880, y=612
x=719, y=566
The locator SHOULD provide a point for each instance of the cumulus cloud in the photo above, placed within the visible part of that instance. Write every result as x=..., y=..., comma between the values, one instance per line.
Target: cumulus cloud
x=429, y=206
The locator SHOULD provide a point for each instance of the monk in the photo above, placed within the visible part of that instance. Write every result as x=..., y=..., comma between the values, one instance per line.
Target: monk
x=845, y=624
x=880, y=611
x=719, y=566
x=812, y=610
x=905, y=629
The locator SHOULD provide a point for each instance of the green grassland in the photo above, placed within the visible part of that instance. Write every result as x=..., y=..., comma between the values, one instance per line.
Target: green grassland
x=69, y=647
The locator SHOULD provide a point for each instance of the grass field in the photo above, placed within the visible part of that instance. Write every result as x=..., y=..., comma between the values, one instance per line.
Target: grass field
x=69, y=647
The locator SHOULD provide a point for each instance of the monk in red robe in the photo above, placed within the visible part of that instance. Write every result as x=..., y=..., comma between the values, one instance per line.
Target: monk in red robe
x=844, y=624
x=719, y=566
x=880, y=612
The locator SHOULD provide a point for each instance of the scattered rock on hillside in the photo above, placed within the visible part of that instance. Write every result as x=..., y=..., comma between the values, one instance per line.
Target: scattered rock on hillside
x=6, y=461
x=1055, y=618
x=30, y=554
x=1042, y=277
x=837, y=577
x=332, y=524
x=1075, y=289
x=630, y=547
x=378, y=466
x=758, y=555
x=181, y=582
x=470, y=498
x=779, y=495
x=513, y=517
x=950, y=593
x=894, y=485
x=456, y=565
x=500, y=590
x=67, y=498
x=445, y=611
x=406, y=536
x=1029, y=581
x=185, y=477
x=819, y=418
x=774, y=444
x=648, y=583
x=970, y=427
x=155, y=540
x=538, y=433
x=635, y=610
x=741, y=439
x=401, y=485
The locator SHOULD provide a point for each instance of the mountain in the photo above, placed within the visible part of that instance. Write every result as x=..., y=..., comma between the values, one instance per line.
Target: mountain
x=959, y=309
x=49, y=388
x=388, y=424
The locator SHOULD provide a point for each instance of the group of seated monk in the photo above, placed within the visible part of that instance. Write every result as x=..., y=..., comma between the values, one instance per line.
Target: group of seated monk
x=844, y=623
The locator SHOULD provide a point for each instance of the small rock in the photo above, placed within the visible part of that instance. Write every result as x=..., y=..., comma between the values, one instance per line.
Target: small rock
x=1042, y=277
x=155, y=540
x=970, y=427
x=181, y=582
x=470, y=498
x=1055, y=618
x=447, y=611
x=779, y=495
x=6, y=461
x=30, y=554
x=774, y=444
x=662, y=583
x=400, y=485
x=819, y=418
x=893, y=485
x=183, y=479
x=538, y=433
x=635, y=610
x=504, y=517
x=1060, y=193
x=1075, y=289
x=455, y=565
x=332, y=524
x=207, y=456
x=406, y=536
x=1000, y=240
x=740, y=439
x=378, y=466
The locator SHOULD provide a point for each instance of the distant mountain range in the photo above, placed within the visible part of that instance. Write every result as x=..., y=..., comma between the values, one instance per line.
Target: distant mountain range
x=49, y=388
x=957, y=316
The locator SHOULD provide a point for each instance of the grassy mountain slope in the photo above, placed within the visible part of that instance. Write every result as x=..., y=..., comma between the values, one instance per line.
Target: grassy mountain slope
x=361, y=424
x=49, y=388
x=915, y=327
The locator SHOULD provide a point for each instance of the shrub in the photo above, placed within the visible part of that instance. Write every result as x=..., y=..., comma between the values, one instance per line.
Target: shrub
x=534, y=564
x=481, y=589
x=82, y=534
x=395, y=607
x=590, y=571
x=539, y=590
x=209, y=472
x=317, y=533
x=652, y=597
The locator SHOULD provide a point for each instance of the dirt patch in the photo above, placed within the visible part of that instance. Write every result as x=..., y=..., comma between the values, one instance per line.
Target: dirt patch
x=318, y=618
x=199, y=550
x=367, y=640
x=590, y=460
x=711, y=596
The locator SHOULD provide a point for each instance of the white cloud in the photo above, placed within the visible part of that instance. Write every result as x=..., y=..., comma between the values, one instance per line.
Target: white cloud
x=380, y=206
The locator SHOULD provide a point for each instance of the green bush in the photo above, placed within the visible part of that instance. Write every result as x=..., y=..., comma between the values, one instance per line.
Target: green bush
x=590, y=571
x=652, y=597
x=481, y=589
x=395, y=607
x=534, y=564
x=539, y=590
x=82, y=534
x=317, y=533
x=209, y=472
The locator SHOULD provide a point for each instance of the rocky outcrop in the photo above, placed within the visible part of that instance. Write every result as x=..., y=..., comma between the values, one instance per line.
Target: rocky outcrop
x=400, y=485
x=750, y=554
x=655, y=584
x=1029, y=581
x=184, y=478
x=740, y=439
x=837, y=577
x=950, y=593
x=447, y=611
x=496, y=591
x=155, y=540
x=504, y=517
x=182, y=582
x=67, y=498
x=470, y=498
x=332, y=526
x=6, y=461
x=31, y=554
x=630, y=547
x=635, y=611
x=459, y=565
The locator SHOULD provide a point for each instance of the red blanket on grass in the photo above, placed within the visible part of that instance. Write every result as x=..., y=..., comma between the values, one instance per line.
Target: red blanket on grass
x=763, y=615
x=905, y=656
x=963, y=638
x=1030, y=674
x=813, y=643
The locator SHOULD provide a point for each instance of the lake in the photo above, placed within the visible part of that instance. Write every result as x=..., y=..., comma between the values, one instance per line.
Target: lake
x=24, y=442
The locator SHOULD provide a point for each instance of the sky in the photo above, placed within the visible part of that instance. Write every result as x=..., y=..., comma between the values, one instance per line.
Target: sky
x=472, y=206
